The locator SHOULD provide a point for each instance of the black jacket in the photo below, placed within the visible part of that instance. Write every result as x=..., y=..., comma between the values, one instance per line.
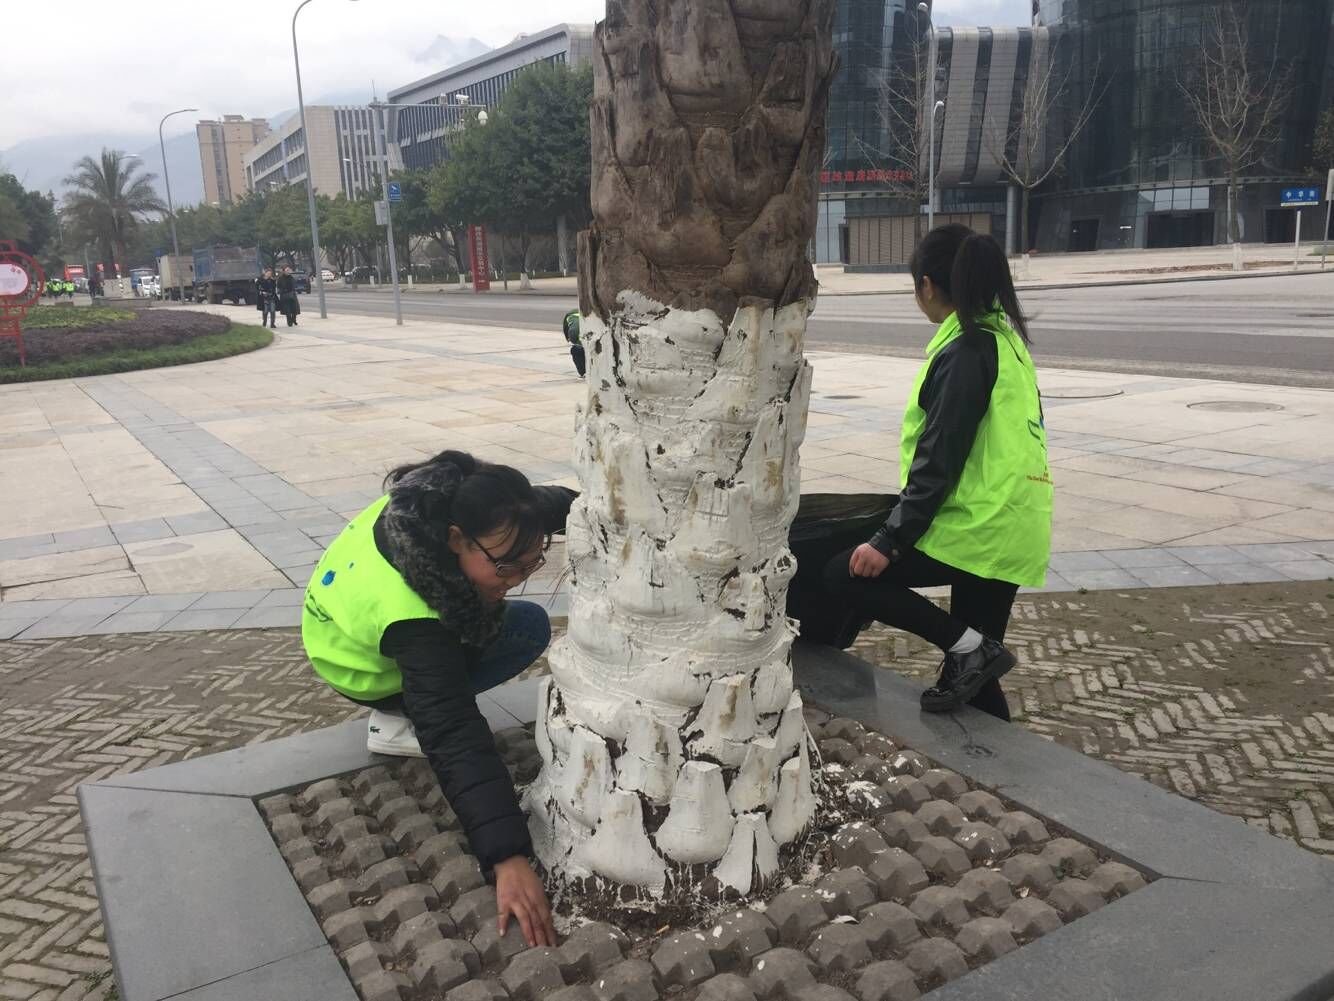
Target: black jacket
x=267, y=289
x=955, y=395
x=457, y=741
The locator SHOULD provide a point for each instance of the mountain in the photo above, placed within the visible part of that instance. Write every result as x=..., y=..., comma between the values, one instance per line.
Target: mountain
x=444, y=53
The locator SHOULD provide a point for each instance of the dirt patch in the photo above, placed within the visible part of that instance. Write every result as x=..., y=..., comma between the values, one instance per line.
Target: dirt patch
x=144, y=330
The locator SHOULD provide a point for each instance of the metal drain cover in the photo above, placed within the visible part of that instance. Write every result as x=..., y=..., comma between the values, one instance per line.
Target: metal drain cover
x=1234, y=406
x=1080, y=393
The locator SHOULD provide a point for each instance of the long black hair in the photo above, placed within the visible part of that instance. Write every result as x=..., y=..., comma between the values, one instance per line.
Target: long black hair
x=971, y=271
x=456, y=488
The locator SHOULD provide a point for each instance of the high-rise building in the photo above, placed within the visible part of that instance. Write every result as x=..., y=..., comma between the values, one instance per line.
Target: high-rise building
x=222, y=147
x=341, y=154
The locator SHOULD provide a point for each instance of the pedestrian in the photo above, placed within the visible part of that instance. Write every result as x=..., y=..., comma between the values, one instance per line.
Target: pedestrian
x=406, y=613
x=571, y=330
x=287, y=300
x=266, y=292
x=975, y=507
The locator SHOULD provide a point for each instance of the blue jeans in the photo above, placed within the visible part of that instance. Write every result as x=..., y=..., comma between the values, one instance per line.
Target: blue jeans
x=524, y=636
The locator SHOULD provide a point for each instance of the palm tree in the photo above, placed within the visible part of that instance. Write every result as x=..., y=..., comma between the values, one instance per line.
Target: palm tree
x=674, y=747
x=107, y=198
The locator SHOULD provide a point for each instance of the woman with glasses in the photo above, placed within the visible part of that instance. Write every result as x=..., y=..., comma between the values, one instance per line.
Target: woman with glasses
x=407, y=614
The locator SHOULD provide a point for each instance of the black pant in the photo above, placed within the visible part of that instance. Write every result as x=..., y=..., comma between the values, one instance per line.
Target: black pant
x=975, y=602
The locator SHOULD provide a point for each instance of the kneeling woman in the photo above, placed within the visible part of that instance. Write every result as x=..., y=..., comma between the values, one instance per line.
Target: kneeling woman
x=406, y=614
x=975, y=511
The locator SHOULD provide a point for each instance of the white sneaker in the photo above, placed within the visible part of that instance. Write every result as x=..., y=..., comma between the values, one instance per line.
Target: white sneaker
x=390, y=734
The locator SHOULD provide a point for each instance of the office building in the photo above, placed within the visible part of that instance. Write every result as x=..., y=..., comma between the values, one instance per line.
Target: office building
x=339, y=156
x=222, y=148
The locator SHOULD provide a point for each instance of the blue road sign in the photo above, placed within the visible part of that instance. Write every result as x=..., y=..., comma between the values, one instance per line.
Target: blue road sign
x=396, y=193
x=1293, y=197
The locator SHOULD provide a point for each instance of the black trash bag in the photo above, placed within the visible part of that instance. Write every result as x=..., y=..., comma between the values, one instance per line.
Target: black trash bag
x=825, y=525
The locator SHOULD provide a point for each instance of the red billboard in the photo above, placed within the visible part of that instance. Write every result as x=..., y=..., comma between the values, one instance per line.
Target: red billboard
x=481, y=260
x=73, y=271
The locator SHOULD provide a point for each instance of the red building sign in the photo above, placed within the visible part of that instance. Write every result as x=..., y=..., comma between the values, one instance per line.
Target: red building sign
x=481, y=260
x=865, y=176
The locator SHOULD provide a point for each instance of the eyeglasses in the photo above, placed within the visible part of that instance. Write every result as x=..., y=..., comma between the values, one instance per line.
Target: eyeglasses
x=508, y=568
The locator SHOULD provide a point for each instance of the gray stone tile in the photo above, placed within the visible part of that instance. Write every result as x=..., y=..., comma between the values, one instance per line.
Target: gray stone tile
x=1065, y=563
x=287, y=597
x=132, y=622
x=518, y=698
x=1306, y=569
x=1103, y=580
x=28, y=545
x=1325, y=550
x=241, y=600
x=1245, y=573
x=164, y=602
x=1202, y=556
x=83, y=607
x=30, y=610
x=203, y=618
x=299, y=576
x=192, y=524
x=269, y=618
x=1182, y=576
x=52, y=627
x=1132, y=559
x=83, y=538
x=241, y=518
x=9, y=628
x=313, y=974
x=297, y=561
x=1055, y=582
x=142, y=531
x=1268, y=552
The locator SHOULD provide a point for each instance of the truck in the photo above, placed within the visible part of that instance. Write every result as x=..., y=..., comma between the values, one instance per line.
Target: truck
x=176, y=271
x=226, y=273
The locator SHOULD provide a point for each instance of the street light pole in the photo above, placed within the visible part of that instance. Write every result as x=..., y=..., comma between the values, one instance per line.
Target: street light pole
x=171, y=209
x=934, y=104
x=388, y=207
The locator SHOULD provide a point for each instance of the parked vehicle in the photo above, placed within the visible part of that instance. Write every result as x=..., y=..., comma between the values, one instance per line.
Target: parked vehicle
x=137, y=278
x=169, y=266
x=226, y=273
x=301, y=281
x=327, y=275
x=149, y=287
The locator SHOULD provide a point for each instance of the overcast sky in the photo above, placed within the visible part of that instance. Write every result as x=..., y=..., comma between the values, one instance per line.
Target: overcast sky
x=102, y=67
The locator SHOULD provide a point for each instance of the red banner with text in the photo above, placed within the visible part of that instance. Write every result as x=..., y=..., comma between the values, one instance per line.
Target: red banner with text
x=481, y=260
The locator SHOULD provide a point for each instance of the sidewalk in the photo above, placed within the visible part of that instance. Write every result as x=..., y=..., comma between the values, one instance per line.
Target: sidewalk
x=201, y=497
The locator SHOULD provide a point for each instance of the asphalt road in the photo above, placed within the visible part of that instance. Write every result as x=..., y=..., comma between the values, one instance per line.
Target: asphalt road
x=1277, y=330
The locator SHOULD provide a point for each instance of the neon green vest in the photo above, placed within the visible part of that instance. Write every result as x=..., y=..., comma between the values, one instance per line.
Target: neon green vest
x=354, y=595
x=996, y=522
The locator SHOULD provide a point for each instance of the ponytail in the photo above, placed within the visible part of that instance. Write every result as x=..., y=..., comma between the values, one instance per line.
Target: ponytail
x=465, y=463
x=971, y=271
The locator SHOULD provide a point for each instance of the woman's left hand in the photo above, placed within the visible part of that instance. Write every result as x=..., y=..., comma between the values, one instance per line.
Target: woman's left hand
x=867, y=561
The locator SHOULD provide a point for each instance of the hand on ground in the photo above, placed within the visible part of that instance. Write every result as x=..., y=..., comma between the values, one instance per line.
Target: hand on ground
x=519, y=893
x=867, y=561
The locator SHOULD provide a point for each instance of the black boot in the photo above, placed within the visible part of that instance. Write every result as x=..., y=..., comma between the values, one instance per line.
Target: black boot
x=963, y=675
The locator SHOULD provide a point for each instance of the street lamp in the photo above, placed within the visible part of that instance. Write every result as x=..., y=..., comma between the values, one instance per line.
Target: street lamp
x=171, y=209
x=931, y=171
x=925, y=9
x=310, y=175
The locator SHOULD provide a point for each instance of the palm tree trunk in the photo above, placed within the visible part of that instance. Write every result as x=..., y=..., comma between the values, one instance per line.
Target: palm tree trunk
x=675, y=752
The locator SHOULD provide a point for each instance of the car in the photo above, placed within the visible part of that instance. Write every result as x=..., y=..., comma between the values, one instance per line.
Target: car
x=327, y=275
x=301, y=281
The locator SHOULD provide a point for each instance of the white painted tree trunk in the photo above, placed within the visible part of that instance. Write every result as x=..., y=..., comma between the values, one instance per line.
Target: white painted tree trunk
x=673, y=744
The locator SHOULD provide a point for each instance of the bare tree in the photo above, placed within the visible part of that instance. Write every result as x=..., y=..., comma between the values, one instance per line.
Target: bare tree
x=1033, y=145
x=1237, y=99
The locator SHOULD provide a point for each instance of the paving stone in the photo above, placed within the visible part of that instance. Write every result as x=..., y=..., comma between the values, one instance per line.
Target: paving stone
x=577, y=992
x=1022, y=829
x=384, y=790
x=944, y=784
x=897, y=875
x=843, y=728
x=725, y=987
x=436, y=852
x=478, y=990
x=1074, y=898
x=888, y=980
x=365, y=958
x=331, y=898
x=351, y=927
x=628, y=980
x=823, y=992
x=444, y=964
x=986, y=938
x=781, y=971
x=985, y=890
x=1115, y=879
x=368, y=778
x=942, y=858
x=941, y=817
x=941, y=907
x=532, y=973
x=300, y=850
x=1068, y=857
x=857, y=844
x=384, y=985
x=1029, y=871
x=872, y=768
x=286, y=828
x=353, y=828
x=889, y=926
x=981, y=841
x=906, y=792
x=361, y=854
x=1031, y=918
x=388, y=875
x=796, y=913
x=455, y=877
x=406, y=902
x=390, y=812
x=683, y=959
x=321, y=792
x=335, y=810
x=840, y=948
x=936, y=959
x=473, y=909
x=866, y=798
x=845, y=891
x=739, y=936
x=907, y=762
x=419, y=931
x=978, y=804
x=494, y=948
x=876, y=744
x=591, y=948
x=310, y=873
x=839, y=751
x=902, y=830
x=276, y=806
x=411, y=832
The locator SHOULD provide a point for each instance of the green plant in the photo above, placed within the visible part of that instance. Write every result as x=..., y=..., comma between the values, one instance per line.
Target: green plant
x=73, y=318
x=209, y=347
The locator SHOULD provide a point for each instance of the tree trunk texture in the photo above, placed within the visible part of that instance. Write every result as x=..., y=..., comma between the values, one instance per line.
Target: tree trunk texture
x=675, y=753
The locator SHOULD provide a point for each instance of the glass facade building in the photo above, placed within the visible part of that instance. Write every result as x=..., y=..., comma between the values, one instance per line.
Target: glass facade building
x=1142, y=174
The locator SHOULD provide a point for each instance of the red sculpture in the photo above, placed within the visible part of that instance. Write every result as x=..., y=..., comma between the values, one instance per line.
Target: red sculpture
x=21, y=282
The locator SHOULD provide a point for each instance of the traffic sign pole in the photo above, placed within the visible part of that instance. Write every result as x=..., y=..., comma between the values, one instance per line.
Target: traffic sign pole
x=1329, y=202
x=1297, y=243
x=388, y=209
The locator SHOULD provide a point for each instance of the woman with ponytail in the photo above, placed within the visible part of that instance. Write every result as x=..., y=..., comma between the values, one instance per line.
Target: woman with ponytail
x=975, y=509
x=406, y=614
